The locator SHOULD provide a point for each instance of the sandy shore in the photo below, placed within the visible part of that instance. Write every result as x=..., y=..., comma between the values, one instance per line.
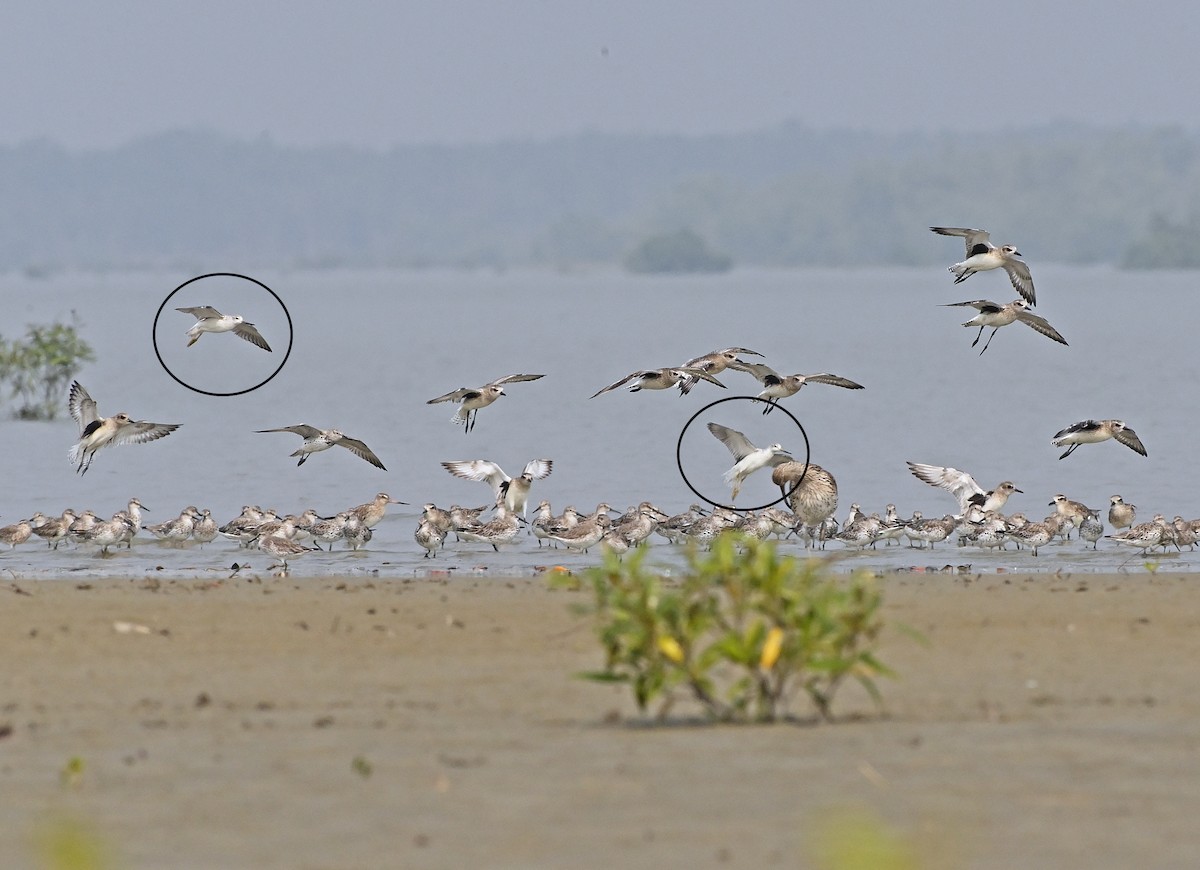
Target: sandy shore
x=1049, y=722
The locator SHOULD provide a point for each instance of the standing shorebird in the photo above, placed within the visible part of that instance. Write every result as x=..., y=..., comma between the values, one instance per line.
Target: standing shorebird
x=587, y=532
x=106, y=534
x=356, y=532
x=713, y=363
x=659, y=379
x=372, y=512
x=501, y=530
x=178, y=530
x=512, y=491
x=963, y=487
x=205, y=529
x=777, y=386
x=1091, y=529
x=282, y=549
x=982, y=255
x=1146, y=536
x=328, y=531
x=17, y=533
x=96, y=431
x=1071, y=511
x=747, y=458
x=471, y=400
x=1121, y=514
x=812, y=494
x=541, y=522
x=209, y=319
x=1095, y=431
x=996, y=315
x=53, y=531
x=316, y=440
x=431, y=537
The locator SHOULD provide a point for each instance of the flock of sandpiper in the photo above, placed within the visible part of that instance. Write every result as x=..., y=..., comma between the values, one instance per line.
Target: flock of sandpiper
x=283, y=538
x=808, y=490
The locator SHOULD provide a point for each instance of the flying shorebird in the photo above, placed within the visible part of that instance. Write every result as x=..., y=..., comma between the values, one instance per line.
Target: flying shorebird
x=995, y=315
x=963, y=487
x=96, y=431
x=316, y=440
x=1095, y=431
x=779, y=386
x=473, y=399
x=659, y=379
x=747, y=458
x=714, y=363
x=982, y=255
x=209, y=319
x=513, y=492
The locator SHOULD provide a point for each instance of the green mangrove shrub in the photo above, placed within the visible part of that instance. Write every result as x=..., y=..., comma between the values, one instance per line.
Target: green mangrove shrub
x=743, y=633
x=37, y=370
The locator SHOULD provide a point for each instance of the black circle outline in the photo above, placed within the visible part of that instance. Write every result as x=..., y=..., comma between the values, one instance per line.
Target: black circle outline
x=183, y=383
x=692, y=419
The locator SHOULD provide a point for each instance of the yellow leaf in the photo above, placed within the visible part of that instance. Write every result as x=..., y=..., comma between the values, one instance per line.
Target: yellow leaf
x=772, y=646
x=670, y=647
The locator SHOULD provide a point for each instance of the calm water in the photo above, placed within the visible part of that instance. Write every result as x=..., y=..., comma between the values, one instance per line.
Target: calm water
x=367, y=349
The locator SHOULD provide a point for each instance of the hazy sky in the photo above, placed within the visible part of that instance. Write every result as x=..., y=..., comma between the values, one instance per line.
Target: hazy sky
x=376, y=74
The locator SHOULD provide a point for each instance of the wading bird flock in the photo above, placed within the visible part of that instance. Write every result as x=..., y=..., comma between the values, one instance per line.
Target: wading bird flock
x=809, y=491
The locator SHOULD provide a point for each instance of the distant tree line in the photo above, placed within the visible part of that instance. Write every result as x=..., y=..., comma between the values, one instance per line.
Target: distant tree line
x=787, y=196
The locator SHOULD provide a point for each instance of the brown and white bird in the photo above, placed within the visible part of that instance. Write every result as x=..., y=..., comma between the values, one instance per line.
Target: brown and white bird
x=777, y=386
x=53, y=530
x=17, y=533
x=587, y=532
x=963, y=487
x=429, y=536
x=502, y=529
x=471, y=400
x=372, y=512
x=639, y=525
x=1145, y=536
x=205, y=529
x=995, y=315
x=513, y=492
x=1070, y=510
x=659, y=379
x=209, y=319
x=283, y=549
x=178, y=530
x=96, y=432
x=713, y=363
x=328, y=531
x=1121, y=514
x=106, y=534
x=540, y=524
x=811, y=492
x=316, y=440
x=982, y=255
x=1095, y=431
x=1030, y=534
